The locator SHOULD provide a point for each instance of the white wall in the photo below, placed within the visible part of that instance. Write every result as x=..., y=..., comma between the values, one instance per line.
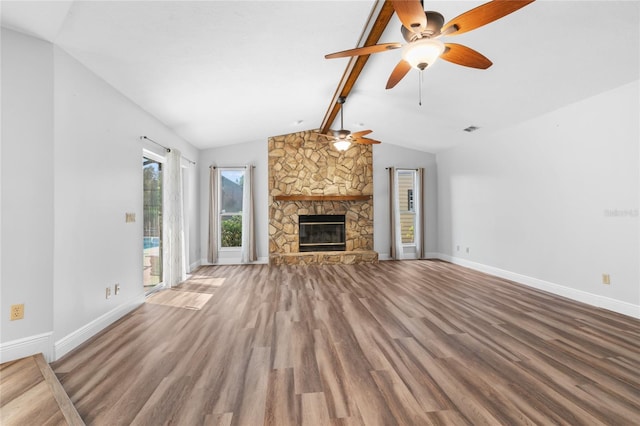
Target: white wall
x=238, y=155
x=27, y=194
x=98, y=174
x=534, y=202
x=71, y=169
x=387, y=155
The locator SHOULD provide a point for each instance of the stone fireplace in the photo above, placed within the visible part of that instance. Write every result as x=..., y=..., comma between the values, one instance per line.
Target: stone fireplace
x=307, y=176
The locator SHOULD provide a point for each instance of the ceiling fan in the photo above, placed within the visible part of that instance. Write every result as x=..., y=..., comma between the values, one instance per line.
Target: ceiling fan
x=422, y=31
x=342, y=139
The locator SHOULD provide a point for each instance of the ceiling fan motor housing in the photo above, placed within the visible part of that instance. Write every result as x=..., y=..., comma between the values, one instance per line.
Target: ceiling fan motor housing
x=435, y=21
x=342, y=133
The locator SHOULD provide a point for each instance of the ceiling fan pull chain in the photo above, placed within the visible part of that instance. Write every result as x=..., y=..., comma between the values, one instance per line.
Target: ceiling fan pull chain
x=420, y=88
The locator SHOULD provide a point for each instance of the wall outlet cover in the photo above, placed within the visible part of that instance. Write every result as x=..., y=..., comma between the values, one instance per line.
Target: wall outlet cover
x=17, y=312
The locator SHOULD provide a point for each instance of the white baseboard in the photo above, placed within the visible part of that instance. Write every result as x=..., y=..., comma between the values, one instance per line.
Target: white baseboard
x=431, y=255
x=194, y=266
x=27, y=346
x=234, y=261
x=427, y=255
x=84, y=333
x=596, y=300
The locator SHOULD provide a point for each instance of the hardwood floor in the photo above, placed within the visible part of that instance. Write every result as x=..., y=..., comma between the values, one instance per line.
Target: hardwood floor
x=30, y=394
x=411, y=343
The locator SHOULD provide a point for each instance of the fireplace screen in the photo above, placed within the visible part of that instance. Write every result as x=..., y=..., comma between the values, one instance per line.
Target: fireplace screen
x=322, y=232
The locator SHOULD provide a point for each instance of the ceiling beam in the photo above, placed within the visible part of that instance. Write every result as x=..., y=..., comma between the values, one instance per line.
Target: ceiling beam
x=375, y=26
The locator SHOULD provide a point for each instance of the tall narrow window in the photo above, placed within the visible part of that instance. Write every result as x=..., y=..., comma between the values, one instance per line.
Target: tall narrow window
x=410, y=199
x=152, y=226
x=230, y=193
x=406, y=186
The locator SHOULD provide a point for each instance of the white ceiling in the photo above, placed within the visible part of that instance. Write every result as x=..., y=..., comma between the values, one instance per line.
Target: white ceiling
x=224, y=72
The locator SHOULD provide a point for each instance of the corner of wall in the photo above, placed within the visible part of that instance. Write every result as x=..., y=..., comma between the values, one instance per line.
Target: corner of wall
x=84, y=333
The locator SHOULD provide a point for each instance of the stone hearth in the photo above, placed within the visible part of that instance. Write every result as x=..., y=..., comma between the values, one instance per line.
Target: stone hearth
x=303, y=164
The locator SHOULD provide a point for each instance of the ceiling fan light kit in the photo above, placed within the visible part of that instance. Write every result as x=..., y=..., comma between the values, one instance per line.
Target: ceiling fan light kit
x=422, y=53
x=341, y=145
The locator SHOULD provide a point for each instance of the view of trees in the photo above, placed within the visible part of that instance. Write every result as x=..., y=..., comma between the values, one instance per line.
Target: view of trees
x=231, y=235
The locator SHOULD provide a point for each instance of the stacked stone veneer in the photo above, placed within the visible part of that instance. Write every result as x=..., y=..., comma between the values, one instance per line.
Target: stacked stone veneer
x=303, y=164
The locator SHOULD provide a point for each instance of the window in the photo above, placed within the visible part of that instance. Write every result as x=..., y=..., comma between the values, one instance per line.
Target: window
x=152, y=222
x=410, y=198
x=406, y=189
x=230, y=201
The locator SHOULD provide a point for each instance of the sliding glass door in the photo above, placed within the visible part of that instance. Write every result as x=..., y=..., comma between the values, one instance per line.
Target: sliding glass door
x=152, y=211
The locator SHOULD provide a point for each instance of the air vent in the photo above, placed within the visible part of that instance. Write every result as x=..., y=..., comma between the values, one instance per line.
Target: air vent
x=471, y=129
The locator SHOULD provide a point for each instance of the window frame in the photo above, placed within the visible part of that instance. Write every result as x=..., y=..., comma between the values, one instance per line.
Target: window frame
x=410, y=203
x=221, y=215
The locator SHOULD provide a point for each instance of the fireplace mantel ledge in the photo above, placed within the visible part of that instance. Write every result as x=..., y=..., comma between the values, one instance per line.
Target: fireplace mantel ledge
x=322, y=197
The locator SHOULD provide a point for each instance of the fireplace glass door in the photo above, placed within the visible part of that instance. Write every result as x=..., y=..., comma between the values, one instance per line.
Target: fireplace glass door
x=321, y=233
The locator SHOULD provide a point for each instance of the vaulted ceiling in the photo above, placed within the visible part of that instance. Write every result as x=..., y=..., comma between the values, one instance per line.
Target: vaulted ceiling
x=225, y=72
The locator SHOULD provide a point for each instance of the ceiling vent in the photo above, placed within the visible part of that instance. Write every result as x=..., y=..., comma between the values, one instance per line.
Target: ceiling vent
x=471, y=129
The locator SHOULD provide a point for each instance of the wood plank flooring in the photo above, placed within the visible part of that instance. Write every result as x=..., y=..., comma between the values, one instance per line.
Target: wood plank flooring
x=30, y=394
x=409, y=343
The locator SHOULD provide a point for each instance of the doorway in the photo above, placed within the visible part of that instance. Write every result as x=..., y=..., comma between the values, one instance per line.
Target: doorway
x=152, y=224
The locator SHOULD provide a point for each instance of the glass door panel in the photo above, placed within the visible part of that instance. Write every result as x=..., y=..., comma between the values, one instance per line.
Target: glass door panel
x=152, y=226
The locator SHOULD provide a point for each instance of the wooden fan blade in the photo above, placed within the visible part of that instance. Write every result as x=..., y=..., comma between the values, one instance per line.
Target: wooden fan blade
x=463, y=55
x=398, y=73
x=361, y=133
x=366, y=141
x=482, y=15
x=324, y=135
x=367, y=50
x=411, y=14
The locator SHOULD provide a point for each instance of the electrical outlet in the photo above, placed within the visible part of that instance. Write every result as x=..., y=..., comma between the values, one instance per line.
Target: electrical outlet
x=457, y=248
x=606, y=279
x=467, y=249
x=129, y=217
x=17, y=312
x=116, y=289
x=107, y=293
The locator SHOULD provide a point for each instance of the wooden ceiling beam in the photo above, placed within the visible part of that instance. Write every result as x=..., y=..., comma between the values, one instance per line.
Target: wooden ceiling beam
x=376, y=25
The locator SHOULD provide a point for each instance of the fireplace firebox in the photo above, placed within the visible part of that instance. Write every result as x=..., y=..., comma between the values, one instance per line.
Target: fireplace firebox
x=321, y=232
